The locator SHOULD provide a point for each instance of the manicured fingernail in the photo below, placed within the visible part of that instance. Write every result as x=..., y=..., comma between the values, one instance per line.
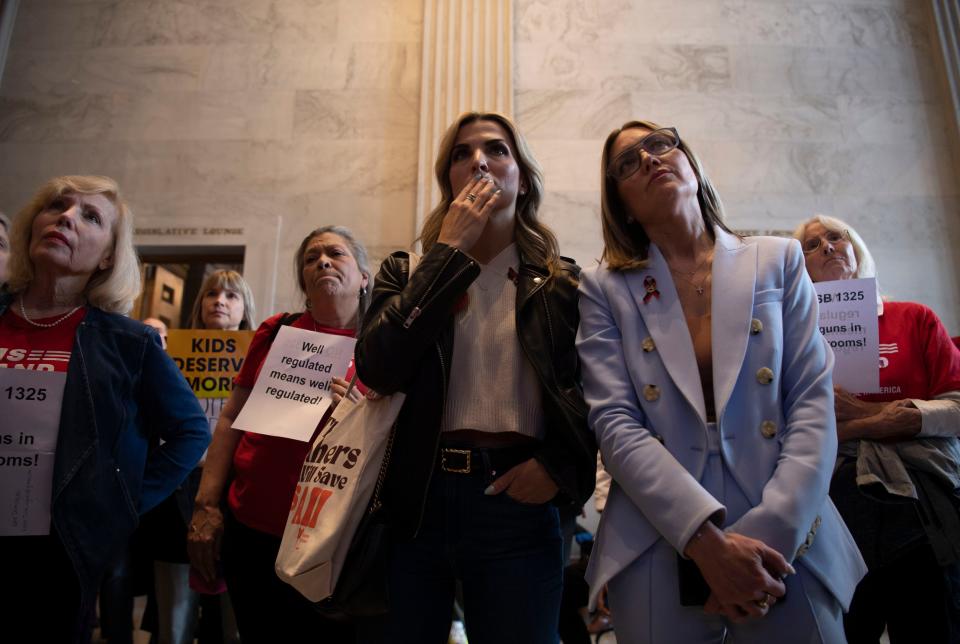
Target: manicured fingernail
x=791, y=569
x=479, y=175
x=490, y=491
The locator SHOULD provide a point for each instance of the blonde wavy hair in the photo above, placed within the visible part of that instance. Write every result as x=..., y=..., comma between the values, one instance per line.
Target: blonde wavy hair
x=112, y=289
x=535, y=241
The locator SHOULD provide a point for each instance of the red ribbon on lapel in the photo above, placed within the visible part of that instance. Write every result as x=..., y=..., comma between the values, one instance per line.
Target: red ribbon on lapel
x=650, y=285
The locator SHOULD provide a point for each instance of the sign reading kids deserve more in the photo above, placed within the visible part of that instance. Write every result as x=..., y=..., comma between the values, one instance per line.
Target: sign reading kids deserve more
x=848, y=320
x=209, y=360
x=293, y=388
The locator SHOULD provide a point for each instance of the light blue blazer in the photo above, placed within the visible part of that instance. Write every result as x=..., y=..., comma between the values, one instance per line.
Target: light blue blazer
x=773, y=399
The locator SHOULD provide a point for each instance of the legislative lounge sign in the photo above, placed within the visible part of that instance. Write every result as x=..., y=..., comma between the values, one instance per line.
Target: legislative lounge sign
x=293, y=388
x=848, y=321
x=209, y=360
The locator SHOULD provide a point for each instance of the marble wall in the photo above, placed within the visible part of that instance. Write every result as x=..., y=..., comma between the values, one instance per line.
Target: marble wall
x=276, y=116
x=795, y=106
x=271, y=116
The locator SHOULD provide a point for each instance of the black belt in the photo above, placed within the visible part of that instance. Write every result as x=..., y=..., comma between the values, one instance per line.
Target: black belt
x=492, y=462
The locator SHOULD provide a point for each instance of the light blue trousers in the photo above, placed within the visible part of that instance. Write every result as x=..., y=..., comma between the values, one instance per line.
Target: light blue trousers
x=645, y=597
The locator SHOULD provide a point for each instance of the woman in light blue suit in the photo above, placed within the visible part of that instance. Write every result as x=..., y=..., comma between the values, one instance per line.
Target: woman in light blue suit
x=709, y=387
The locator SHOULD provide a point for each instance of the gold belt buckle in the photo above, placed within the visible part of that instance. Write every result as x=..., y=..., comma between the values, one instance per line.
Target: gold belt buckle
x=456, y=470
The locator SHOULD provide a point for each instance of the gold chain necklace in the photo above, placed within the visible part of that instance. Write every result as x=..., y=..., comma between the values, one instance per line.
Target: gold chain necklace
x=697, y=287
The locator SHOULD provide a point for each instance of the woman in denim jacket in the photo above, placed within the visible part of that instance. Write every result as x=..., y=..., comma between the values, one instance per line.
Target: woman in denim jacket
x=129, y=428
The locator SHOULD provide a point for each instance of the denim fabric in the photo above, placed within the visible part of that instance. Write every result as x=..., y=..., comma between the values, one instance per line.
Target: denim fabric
x=507, y=555
x=123, y=395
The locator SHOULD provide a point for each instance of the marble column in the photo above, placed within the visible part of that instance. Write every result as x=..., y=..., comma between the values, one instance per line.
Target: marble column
x=467, y=65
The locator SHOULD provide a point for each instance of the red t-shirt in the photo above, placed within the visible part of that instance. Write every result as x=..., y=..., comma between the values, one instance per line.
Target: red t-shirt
x=266, y=468
x=917, y=357
x=25, y=346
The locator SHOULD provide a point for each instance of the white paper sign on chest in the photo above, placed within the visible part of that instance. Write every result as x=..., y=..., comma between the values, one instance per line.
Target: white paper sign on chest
x=848, y=320
x=293, y=389
x=30, y=405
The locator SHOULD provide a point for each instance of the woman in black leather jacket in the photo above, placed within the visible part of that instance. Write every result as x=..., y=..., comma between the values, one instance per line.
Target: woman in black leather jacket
x=492, y=437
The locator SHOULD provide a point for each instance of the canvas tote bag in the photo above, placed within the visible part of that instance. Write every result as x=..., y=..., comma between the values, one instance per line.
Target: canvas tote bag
x=337, y=481
x=339, y=487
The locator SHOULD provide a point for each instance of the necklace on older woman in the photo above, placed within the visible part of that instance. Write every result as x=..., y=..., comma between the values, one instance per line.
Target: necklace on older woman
x=46, y=325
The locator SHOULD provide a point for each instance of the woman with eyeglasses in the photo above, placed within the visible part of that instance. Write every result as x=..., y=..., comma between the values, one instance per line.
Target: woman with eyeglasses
x=907, y=526
x=709, y=388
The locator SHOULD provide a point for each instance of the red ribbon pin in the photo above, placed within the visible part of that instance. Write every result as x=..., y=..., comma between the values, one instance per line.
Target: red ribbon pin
x=650, y=285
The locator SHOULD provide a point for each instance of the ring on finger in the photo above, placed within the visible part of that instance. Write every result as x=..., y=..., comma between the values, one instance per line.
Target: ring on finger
x=765, y=602
x=471, y=197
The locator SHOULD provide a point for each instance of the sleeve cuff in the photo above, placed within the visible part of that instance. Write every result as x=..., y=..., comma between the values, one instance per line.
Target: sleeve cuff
x=939, y=417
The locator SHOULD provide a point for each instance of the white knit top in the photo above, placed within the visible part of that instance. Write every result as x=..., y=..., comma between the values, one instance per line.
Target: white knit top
x=493, y=387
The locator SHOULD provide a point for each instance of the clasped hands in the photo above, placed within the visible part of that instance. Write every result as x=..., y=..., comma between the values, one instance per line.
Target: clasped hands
x=878, y=421
x=745, y=575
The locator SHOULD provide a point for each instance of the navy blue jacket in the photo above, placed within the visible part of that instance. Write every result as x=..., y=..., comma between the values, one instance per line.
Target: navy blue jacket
x=122, y=394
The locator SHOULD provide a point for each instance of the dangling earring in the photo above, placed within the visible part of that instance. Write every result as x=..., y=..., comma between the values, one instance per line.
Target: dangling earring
x=363, y=292
x=309, y=304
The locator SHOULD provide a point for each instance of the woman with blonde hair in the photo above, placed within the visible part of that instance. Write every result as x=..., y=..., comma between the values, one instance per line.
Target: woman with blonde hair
x=709, y=388
x=492, y=436
x=73, y=277
x=223, y=303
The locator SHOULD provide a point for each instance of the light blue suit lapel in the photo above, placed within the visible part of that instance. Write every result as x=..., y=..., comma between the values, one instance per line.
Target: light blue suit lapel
x=734, y=275
x=667, y=326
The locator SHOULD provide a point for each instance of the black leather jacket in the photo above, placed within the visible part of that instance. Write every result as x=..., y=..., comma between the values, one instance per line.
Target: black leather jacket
x=407, y=344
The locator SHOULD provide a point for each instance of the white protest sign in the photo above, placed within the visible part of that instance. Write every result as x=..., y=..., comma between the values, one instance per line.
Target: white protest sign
x=848, y=320
x=30, y=403
x=293, y=388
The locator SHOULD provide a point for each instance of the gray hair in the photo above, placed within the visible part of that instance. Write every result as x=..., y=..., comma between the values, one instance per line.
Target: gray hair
x=359, y=254
x=866, y=267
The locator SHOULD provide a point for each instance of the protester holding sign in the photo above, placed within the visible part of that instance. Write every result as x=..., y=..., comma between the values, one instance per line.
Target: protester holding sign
x=332, y=272
x=709, y=389
x=126, y=429
x=224, y=303
x=899, y=462
x=492, y=435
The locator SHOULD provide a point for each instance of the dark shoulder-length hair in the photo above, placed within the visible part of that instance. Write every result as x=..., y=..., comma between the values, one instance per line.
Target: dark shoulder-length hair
x=536, y=243
x=625, y=243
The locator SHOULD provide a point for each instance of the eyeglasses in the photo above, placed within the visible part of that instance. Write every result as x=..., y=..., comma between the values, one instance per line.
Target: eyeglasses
x=813, y=243
x=657, y=143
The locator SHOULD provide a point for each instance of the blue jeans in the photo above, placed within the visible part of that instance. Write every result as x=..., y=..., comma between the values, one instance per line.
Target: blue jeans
x=507, y=556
